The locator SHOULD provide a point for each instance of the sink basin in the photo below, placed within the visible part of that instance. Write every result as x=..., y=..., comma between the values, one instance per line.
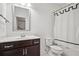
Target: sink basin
x=27, y=37
x=8, y=39
x=31, y=37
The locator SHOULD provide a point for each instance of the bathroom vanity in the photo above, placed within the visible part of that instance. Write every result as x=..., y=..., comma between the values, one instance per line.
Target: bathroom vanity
x=20, y=47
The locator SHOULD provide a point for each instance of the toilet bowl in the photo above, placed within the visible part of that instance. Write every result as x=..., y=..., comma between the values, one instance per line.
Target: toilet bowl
x=56, y=50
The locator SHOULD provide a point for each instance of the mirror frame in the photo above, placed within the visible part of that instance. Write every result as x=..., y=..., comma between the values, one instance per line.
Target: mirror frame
x=14, y=26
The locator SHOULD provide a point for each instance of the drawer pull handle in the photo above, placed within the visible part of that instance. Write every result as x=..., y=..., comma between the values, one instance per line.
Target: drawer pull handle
x=25, y=51
x=8, y=46
x=36, y=42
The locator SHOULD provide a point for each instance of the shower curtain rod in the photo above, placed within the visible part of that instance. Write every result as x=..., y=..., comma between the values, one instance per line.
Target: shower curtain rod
x=63, y=7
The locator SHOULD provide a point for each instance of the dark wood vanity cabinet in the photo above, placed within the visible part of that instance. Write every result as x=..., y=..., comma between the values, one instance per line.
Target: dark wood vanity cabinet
x=12, y=52
x=33, y=50
x=20, y=48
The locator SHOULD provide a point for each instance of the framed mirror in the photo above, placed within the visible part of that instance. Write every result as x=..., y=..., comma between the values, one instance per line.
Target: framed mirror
x=21, y=18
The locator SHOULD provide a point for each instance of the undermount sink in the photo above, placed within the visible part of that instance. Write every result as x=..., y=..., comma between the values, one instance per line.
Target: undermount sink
x=29, y=37
x=8, y=39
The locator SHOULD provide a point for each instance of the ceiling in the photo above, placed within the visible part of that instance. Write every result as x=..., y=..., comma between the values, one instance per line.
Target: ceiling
x=52, y=6
x=57, y=6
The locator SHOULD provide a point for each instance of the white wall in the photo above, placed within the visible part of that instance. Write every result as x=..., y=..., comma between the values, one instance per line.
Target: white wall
x=41, y=15
x=41, y=19
x=2, y=21
x=42, y=22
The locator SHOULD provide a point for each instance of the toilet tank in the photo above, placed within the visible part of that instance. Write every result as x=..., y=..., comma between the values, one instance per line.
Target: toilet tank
x=49, y=41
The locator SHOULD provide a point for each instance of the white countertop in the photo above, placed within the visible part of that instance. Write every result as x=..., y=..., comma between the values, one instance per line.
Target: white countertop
x=10, y=39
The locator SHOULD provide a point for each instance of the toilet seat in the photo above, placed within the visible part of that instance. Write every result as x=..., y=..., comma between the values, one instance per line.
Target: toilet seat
x=56, y=49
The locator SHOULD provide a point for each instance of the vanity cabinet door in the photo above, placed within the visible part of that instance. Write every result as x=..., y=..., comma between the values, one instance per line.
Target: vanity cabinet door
x=33, y=51
x=12, y=52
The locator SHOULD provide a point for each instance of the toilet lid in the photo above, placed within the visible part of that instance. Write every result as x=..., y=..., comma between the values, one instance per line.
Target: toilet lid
x=56, y=47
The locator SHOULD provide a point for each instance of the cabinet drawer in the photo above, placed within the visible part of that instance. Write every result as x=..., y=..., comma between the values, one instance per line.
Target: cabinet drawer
x=4, y=46
x=16, y=44
x=12, y=52
x=23, y=43
x=36, y=41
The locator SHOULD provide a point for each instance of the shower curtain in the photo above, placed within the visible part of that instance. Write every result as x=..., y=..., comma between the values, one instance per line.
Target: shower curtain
x=67, y=26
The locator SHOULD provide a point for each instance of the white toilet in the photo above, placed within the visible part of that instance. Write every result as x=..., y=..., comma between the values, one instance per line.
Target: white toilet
x=52, y=48
x=56, y=50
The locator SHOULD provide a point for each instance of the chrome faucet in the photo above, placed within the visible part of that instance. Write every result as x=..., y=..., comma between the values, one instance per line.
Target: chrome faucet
x=23, y=35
